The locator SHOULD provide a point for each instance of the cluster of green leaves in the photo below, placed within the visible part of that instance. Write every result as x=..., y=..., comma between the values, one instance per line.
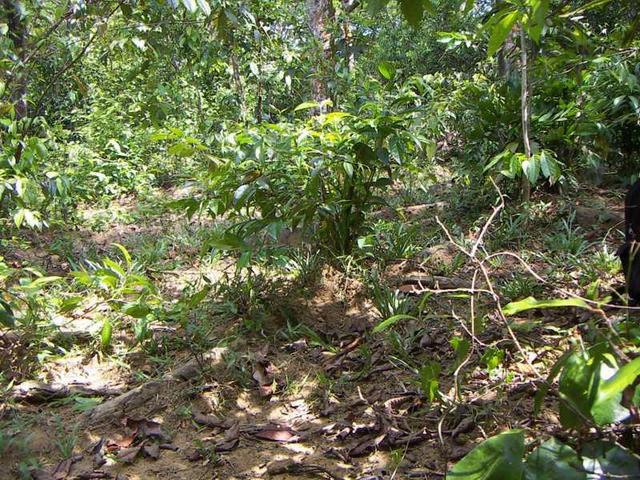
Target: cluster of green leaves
x=501, y=457
x=123, y=288
x=321, y=175
x=21, y=301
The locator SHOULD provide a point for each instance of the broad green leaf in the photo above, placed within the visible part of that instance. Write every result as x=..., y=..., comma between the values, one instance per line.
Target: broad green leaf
x=497, y=458
x=136, y=310
x=501, y=31
x=609, y=461
x=348, y=168
x=6, y=315
x=461, y=346
x=588, y=6
x=575, y=386
x=553, y=460
x=125, y=253
x=244, y=260
x=413, y=11
x=389, y=322
x=190, y=5
x=468, y=5
x=430, y=379
x=306, y=106
x=204, y=6
x=18, y=217
x=531, y=169
x=68, y=304
x=530, y=303
x=544, y=388
x=106, y=334
x=40, y=282
x=375, y=6
x=540, y=9
x=114, y=267
x=387, y=70
x=606, y=408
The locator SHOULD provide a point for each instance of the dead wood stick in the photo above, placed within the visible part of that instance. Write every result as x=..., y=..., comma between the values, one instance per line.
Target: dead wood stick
x=136, y=398
x=36, y=392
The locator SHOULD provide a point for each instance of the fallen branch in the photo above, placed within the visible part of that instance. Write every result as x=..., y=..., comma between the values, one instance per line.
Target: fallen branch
x=37, y=392
x=127, y=402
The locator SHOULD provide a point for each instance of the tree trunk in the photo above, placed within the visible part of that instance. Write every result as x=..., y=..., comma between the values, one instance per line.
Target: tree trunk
x=17, y=30
x=237, y=79
x=320, y=16
x=350, y=60
x=526, y=112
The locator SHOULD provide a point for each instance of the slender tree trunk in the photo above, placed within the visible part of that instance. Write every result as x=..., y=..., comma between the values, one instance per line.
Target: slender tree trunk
x=17, y=30
x=320, y=16
x=347, y=36
x=237, y=79
x=526, y=111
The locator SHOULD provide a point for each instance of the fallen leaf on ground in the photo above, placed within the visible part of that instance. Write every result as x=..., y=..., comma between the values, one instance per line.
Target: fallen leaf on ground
x=207, y=420
x=277, y=433
x=152, y=450
x=128, y=455
x=230, y=440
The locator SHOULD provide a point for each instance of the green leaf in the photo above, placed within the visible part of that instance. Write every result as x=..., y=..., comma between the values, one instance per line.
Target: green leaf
x=501, y=31
x=530, y=303
x=544, y=388
x=18, y=217
x=588, y=6
x=114, y=267
x=609, y=460
x=430, y=379
x=204, y=6
x=190, y=5
x=461, y=346
x=375, y=6
x=106, y=334
x=389, y=322
x=6, y=315
x=575, y=387
x=540, y=9
x=413, y=11
x=125, y=253
x=306, y=106
x=497, y=458
x=68, y=304
x=387, y=70
x=348, y=168
x=606, y=408
x=136, y=310
x=553, y=460
x=40, y=282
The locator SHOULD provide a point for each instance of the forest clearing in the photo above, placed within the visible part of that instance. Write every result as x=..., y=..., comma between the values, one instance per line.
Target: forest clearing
x=338, y=239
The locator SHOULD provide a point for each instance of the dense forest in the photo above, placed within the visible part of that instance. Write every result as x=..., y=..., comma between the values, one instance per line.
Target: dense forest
x=340, y=239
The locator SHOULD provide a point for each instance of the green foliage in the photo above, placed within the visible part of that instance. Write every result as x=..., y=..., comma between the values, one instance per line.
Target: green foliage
x=498, y=458
x=21, y=299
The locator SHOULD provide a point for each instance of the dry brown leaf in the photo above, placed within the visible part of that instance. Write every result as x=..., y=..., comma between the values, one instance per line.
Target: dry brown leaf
x=207, y=420
x=230, y=440
x=152, y=451
x=128, y=455
x=277, y=433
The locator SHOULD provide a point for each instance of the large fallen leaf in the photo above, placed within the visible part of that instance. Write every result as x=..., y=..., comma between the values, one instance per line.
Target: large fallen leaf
x=276, y=433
